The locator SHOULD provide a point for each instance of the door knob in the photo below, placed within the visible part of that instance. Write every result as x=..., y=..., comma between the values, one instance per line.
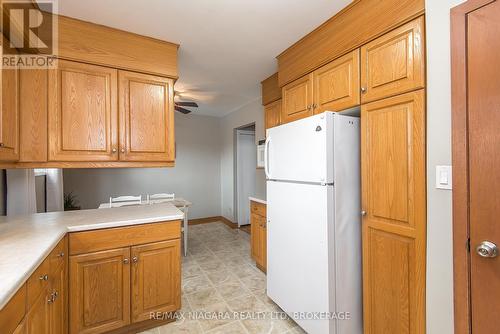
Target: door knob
x=487, y=249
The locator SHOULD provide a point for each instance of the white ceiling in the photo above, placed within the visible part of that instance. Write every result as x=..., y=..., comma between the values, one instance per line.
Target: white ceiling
x=227, y=46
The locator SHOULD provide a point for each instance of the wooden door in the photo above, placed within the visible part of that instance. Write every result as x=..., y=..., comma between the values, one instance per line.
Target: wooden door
x=394, y=222
x=156, y=279
x=483, y=52
x=38, y=317
x=99, y=291
x=58, y=309
x=146, y=118
x=9, y=112
x=297, y=99
x=82, y=113
x=254, y=236
x=394, y=63
x=336, y=85
x=272, y=114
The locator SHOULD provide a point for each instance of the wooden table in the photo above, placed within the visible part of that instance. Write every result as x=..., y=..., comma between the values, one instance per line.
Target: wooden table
x=179, y=202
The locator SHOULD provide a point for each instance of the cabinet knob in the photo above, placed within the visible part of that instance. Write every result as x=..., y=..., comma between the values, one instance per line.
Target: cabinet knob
x=113, y=150
x=363, y=213
x=363, y=90
x=122, y=150
x=44, y=277
x=61, y=254
x=135, y=259
x=314, y=106
x=1, y=144
x=125, y=261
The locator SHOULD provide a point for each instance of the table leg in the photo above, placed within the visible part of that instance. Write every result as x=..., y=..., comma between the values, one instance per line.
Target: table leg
x=185, y=229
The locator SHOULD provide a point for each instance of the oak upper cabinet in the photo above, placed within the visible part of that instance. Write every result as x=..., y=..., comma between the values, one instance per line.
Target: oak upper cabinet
x=146, y=117
x=394, y=63
x=82, y=113
x=336, y=85
x=99, y=290
x=9, y=113
x=394, y=226
x=156, y=283
x=272, y=114
x=297, y=99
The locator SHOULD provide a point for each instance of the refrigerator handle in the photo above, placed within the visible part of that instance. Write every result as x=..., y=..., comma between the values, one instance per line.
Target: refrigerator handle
x=266, y=157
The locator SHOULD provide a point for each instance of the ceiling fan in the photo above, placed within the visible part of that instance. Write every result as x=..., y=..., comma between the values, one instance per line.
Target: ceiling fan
x=179, y=105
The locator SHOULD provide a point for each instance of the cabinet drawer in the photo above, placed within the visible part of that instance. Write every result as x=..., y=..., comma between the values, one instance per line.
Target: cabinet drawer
x=38, y=281
x=58, y=255
x=98, y=240
x=258, y=208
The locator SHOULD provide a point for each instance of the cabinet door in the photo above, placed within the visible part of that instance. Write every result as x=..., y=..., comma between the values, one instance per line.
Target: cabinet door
x=297, y=99
x=99, y=291
x=9, y=113
x=394, y=226
x=272, y=113
x=146, y=117
x=21, y=328
x=336, y=85
x=38, y=317
x=58, y=310
x=263, y=245
x=394, y=63
x=82, y=113
x=156, y=279
x=254, y=236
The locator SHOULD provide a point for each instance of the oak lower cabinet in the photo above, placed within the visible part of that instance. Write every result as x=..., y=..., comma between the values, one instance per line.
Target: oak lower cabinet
x=394, y=224
x=82, y=113
x=119, y=276
x=258, y=234
x=156, y=279
x=146, y=117
x=272, y=114
x=38, y=317
x=394, y=63
x=99, y=291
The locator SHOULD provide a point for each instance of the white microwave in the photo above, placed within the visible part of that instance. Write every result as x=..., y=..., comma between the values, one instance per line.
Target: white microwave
x=260, y=156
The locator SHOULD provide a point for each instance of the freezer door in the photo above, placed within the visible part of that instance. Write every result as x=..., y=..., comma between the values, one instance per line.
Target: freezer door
x=298, y=259
x=301, y=150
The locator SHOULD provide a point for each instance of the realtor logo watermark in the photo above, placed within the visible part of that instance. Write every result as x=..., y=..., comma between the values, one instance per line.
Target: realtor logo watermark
x=31, y=34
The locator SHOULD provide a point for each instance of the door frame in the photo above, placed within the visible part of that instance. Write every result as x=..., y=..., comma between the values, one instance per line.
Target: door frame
x=241, y=131
x=460, y=158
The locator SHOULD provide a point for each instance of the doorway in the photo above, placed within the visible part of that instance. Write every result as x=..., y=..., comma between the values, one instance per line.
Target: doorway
x=245, y=172
x=476, y=165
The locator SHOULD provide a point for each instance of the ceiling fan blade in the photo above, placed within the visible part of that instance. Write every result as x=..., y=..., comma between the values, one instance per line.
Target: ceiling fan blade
x=187, y=104
x=182, y=110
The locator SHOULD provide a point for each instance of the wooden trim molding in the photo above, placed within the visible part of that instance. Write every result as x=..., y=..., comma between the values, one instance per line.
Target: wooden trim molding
x=354, y=26
x=214, y=219
x=461, y=255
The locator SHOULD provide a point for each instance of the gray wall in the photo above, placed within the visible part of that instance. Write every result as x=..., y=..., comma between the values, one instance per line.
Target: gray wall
x=196, y=175
x=439, y=202
x=251, y=113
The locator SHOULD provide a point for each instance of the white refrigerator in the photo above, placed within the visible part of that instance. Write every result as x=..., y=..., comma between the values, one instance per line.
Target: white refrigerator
x=314, y=222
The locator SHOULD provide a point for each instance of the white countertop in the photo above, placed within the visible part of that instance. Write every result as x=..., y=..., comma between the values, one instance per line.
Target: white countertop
x=25, y=241
x=258, y=200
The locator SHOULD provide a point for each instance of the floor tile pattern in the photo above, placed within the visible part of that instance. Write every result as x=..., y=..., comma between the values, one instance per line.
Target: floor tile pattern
x=220, y=278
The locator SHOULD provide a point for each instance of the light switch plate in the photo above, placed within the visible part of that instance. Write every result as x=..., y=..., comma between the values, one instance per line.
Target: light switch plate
x=444, y=177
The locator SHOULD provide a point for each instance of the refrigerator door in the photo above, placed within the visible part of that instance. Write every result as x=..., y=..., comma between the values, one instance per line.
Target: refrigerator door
x=301, y=150
x=300, y=225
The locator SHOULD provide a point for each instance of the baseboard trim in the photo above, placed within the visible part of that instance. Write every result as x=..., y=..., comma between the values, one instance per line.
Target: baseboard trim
x=214, y=219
